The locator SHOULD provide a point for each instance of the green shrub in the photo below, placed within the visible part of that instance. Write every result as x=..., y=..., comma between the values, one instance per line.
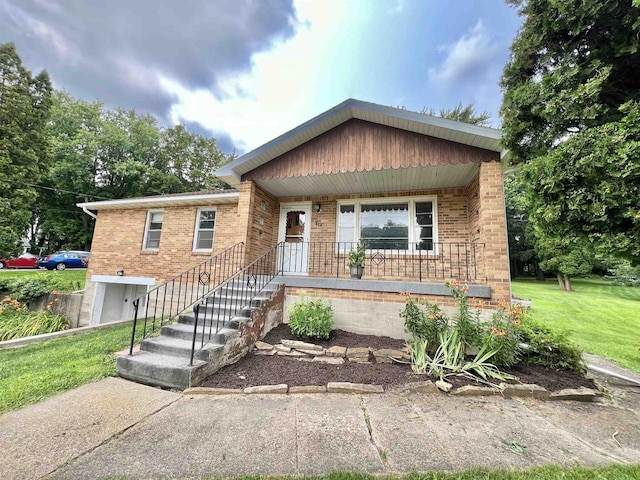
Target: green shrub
x=311, y=318
x=550, y=348
x=27, y=288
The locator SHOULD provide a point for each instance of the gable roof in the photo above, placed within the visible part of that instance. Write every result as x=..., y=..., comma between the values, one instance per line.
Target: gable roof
x=459, y=132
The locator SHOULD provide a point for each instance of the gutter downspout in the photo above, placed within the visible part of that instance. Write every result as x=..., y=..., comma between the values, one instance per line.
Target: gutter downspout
x=92, y=215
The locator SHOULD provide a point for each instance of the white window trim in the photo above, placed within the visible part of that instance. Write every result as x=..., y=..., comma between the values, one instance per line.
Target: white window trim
x=357, y=202
x=146, y=231
x=195, y=233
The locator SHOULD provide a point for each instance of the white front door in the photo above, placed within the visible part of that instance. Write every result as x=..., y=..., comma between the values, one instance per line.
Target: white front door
x=294, y=234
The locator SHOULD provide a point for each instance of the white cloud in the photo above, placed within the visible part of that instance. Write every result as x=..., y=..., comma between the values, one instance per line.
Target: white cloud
x=468, y=57
x=283, y=89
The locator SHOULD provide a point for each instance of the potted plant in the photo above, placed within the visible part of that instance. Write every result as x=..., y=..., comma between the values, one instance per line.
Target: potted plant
x=356, y=261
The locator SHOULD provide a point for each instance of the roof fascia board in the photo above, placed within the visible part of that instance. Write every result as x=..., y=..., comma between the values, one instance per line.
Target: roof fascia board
x=134, y=202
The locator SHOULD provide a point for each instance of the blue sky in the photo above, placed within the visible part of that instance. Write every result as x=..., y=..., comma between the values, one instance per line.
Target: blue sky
x=246, y=71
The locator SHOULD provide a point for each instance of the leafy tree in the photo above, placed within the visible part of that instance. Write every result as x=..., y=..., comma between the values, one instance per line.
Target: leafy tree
x=465, y=114
x=24, y=110
x=102, y=154
x=573, y=64
x=570, y=112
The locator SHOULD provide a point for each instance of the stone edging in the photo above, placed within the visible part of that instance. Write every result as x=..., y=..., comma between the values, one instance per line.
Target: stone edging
x=581, y=394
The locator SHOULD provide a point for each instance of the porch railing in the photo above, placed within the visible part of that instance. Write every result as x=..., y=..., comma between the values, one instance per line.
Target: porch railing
x=160, y=304
x=387, y=259
x=233, y=296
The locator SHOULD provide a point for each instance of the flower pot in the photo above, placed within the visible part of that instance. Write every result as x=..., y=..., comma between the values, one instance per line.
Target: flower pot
x=356, y=272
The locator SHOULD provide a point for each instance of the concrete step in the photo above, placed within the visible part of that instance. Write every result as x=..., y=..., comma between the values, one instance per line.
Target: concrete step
x=235, y=298
x=158, y=370
x=185, y=332
x=175, y=346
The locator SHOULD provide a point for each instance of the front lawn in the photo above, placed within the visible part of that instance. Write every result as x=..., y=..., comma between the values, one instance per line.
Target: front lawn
x=76, y=276
x=602, y=318
x=34, y=372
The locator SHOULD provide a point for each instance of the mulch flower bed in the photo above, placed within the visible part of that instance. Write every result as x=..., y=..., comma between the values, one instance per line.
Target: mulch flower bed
x=254, y=370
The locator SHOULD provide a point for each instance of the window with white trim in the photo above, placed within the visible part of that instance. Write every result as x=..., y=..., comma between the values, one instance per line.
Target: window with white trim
x=389, y=224
x=153, y=230
x=205, y=227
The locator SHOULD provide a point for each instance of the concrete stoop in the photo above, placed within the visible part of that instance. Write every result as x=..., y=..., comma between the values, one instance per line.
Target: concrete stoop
x=163, y=361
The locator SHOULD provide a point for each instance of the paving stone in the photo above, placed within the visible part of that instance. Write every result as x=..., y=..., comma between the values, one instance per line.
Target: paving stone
x=476, y=391
x=263, y=346
x=444, y=386
x=281, y=388
x=308, y=389
x=211, y=391
x=329, y=360
x=348, y=387
x=298, y=344
x=581, y=394
x=524, y=390
x=282, y=348
x=336, y=351
x=421, y=387
x=386, y=355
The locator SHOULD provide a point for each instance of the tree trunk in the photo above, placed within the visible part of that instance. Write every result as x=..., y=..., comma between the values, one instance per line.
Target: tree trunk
x=539, y=273
x=561, y=282
x=567, y=283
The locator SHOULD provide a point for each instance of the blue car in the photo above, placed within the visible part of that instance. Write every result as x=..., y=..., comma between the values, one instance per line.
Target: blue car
x=64, y=260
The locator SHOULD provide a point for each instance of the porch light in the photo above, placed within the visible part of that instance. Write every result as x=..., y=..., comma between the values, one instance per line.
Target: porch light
x=120, y=273
x=318, y=207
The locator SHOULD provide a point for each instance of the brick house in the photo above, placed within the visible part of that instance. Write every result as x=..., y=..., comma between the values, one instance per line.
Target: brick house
x=423, y=194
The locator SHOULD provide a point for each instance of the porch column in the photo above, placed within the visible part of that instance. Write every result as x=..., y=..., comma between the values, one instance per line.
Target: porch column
x=243, y=225
x=493, y=230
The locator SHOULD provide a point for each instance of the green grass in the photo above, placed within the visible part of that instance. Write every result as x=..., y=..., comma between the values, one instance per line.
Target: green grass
x=600, y=317
x=612, y=472
x=39, y=370
x=76, y=275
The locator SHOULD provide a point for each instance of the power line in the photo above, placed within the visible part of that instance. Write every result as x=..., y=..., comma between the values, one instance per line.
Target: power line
x=55, y=189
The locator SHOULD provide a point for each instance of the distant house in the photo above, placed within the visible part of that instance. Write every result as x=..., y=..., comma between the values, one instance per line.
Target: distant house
x=423, y=194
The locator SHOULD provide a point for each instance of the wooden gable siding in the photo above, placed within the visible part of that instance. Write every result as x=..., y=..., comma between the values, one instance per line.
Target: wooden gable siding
x=357, y=146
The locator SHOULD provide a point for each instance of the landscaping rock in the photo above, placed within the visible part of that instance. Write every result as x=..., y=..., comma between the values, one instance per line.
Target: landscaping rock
x=282, y=348
x=336, y=351
x=263, y=346
x=581, y=394
x=420, y=387
x=266, y=352
x=475, y=391
x=281, y=388
x=358, y=352
x=347, y=387
x=211, y=391
x=387, y=355
x=524, y=390
x=292, y=353
x=444, y=386
x=308, y=389
x=310, y=352
x=297, y=345
x=329, y=360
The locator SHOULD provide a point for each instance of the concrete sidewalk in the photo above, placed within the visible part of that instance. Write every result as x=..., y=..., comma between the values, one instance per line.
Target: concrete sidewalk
x=115, y=428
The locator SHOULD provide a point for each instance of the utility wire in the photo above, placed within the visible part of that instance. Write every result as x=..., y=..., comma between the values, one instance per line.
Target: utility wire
x=54, y=189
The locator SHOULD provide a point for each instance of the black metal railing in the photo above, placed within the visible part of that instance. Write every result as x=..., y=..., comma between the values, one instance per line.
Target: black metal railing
x=233, y=296
x=391, y=260
x=161, y=304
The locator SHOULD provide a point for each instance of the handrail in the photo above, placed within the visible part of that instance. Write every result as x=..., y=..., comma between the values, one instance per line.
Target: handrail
x=185, y=289
x=233, y=295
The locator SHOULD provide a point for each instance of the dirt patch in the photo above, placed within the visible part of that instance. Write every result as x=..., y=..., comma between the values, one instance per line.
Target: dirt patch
x=255, y=370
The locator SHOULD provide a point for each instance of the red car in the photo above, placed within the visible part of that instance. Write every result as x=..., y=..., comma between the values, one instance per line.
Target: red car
x=26, y=260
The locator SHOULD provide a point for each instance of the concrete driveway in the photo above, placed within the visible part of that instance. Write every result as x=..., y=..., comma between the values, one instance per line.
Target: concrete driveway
x=115, y=428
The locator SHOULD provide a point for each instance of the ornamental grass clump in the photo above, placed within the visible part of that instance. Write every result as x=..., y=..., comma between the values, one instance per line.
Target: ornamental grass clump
x=311, y=318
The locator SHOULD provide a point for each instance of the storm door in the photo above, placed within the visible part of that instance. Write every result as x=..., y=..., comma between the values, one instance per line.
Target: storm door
x=294, y=237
